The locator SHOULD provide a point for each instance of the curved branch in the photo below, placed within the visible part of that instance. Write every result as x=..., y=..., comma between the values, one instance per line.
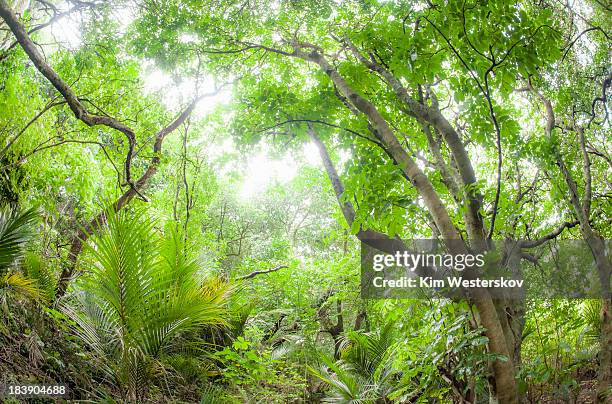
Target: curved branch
x=326, y=124
x=266, y=271
x=44, y=146
x=571, y=44
x=84, y=233
x=79, y=110
x=56, y=16
x=550, y=236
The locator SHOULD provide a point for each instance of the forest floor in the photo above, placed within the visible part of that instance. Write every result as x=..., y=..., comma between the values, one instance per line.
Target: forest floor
x=586, y=394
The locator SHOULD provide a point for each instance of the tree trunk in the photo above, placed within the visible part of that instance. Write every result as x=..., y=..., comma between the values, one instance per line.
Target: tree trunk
x=505, y=385
x=596, y=245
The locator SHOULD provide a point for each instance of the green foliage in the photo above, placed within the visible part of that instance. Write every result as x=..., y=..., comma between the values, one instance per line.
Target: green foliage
x=365, y=372
x=557, y=352
x=242, y=365
x=139, y=294
x=149, y=314
x=16, y=229
x=257, y=374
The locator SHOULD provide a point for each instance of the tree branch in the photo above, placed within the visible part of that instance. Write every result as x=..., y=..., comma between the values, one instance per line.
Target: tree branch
x=84, y=233
x=56, y=16
x=326, y=124
x=437, y=120
x=30, y=122
x=387, y=137
x=571, y=44
x=550, y=236
x=266, y=271
x=79, y=110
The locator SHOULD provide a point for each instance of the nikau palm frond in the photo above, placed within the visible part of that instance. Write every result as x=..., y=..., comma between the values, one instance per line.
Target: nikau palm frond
x=365, y=372
x=591, y=316
x=14, y=282
x=139, y=293
x=38, y=271
x=16, y=229
x=347, y=385
x=15, y=232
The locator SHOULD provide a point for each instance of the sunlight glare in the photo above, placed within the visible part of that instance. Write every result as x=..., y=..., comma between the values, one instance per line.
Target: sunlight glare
x=311, y=154
x=263, y=171
x=176, y=93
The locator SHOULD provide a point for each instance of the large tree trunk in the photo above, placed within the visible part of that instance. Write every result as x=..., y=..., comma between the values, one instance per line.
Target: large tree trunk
x=604, y=375
x=506, y=390
x=505, y=385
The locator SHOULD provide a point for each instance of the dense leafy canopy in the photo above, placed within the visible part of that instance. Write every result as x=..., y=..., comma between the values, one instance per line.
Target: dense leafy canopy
x=184, y=186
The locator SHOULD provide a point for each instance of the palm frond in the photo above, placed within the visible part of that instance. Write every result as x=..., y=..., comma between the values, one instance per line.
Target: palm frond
x=212, y=394
x=140, y=292
x=35, y=269
x=367, y=350
x=591, y=316
x=365, y=373
x=347, y=385
x=18, y=284
x=16, y=229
